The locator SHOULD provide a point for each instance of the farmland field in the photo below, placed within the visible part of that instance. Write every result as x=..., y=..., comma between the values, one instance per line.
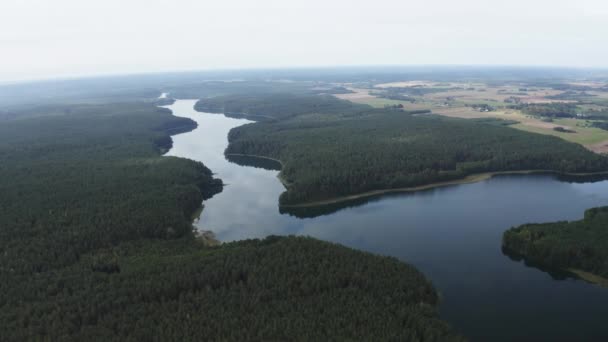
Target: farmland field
x=464, y=100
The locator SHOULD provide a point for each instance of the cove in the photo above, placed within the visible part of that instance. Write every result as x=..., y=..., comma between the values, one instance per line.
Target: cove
x=452, y=234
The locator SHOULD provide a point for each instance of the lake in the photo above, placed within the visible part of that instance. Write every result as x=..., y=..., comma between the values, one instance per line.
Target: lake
x=451, y=234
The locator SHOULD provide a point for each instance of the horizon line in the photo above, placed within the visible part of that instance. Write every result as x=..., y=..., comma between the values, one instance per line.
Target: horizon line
x=84, y=76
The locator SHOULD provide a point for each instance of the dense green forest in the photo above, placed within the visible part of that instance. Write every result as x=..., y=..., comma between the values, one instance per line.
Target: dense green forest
x=564, y=245
x=96, y=243
x=91, y=178
x=275, y=106
x=557, y=109
x=358, y=149
x=274, y=289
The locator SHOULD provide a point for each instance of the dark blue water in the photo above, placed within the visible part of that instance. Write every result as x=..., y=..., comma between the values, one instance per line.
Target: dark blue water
x=453, y=235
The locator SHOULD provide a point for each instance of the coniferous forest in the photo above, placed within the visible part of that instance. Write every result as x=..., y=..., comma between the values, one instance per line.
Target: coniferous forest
x=96, y=235
x=345, y=151
x=96, y=243
x=271, y=106
x=303, y=170
x=580, y=245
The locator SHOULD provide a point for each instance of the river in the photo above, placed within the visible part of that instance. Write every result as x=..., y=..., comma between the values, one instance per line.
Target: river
x=451, y=234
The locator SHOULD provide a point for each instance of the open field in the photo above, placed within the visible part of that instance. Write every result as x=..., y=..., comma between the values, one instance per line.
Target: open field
x=458, y=100
x=592, y=84
x=363, y=96
x=592, y=138
x=358, y=95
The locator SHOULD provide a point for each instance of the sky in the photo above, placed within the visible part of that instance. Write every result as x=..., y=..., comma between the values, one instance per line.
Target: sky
x=68, y=38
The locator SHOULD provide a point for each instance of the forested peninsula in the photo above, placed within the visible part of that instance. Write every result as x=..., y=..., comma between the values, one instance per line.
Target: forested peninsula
x=97, y=244
x=332, y=149
x=577, y=246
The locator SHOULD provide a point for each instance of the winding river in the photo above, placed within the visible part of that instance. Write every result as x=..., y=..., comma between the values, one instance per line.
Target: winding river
x=451, y=234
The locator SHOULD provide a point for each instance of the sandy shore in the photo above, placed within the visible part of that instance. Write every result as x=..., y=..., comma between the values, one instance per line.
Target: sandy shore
x=590, y=277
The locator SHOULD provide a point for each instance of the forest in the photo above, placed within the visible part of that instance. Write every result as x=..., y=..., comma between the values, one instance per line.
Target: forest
x=580, y=245
x=332, y=154
x=96, y=243
x=558, y=109
x=88, y=179
x=279, y=288
x=275, y=105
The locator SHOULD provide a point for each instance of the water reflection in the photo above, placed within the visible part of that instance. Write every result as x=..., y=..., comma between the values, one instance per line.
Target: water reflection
x=557, y=274
x=452, y=234
x=257, y=162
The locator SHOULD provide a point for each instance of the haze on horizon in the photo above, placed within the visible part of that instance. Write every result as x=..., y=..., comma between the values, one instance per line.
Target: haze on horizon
x=66, y=38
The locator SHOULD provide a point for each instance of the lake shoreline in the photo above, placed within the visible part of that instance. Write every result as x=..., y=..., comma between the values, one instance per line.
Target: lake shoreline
x=279, y=175
x=408, y=227
x=470, y=179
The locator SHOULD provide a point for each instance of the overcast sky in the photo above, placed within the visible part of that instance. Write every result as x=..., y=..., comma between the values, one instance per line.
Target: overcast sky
x=57, y=38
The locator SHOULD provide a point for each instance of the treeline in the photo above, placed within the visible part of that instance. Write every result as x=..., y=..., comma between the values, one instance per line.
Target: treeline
x=571, y=95
x=563, y=130
x=329, y=156
x=276, y=289
x=600, y=124
x=556, y=109
x=495, y=121
x=164, y=101
x=596, y=114
x=581, y=245
x=400, y=108
x=331, y=90
x=89, y=179
x=414, y=91
x=195, y=88
x=275, y=106
x=482, y=107
x=409, y=94
x=96, y=243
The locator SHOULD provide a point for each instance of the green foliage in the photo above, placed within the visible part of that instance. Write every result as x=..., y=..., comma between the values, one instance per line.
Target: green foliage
x=89, y=179
x=495, y=121
x=600, y=124
x=557, y=109
x=405, y=93
x=275, y=289
x=213, y=88
x=563, y=130
x=331, y=90
x=96, y=244
x=482, y=107
x=562, y=245
x=572, y=95
x=275, y=106
x=164, y=101
x=327, y=155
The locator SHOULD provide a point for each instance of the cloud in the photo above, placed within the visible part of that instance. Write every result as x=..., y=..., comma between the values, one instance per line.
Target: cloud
x=68, y=37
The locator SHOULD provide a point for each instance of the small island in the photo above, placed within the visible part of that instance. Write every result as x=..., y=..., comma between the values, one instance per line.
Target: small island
x=579, y=247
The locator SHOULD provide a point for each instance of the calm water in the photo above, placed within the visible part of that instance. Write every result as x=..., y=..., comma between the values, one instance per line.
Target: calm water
x=451, y=234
